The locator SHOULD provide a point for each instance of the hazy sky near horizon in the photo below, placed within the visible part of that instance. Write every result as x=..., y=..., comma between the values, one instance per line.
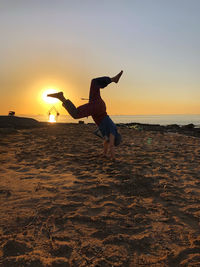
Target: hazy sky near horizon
x=63, y=44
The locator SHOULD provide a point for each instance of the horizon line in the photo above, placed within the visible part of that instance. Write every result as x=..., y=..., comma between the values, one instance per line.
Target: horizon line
x=160, y=114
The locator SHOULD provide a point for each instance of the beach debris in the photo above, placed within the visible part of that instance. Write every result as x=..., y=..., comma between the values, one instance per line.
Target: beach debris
x=136, y=127
x=11, y=113
x=6, y=192
x=149, y=140
x=39, y=187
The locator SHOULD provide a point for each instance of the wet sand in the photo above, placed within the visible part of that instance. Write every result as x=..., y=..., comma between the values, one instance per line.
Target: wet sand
x=61, y=204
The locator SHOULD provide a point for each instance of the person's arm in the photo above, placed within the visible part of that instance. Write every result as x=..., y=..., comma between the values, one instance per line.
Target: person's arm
x=105, y=147
x=112, y=146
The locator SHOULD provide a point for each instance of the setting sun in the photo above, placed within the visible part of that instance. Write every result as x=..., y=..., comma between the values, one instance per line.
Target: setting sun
x=47, y=99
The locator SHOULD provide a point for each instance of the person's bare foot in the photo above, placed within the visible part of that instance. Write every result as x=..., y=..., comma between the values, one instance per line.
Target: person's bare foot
x=117, y=77
x=58, y=95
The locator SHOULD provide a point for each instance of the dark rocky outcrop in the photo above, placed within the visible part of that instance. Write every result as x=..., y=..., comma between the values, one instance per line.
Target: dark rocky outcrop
x=188, y=129
x=10, y=124
x=18, y=122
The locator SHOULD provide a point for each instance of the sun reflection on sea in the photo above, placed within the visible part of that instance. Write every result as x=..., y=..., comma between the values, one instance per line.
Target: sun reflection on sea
x=52, y=118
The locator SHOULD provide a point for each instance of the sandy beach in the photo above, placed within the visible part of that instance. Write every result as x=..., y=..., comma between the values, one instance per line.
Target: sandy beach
x=61, y=204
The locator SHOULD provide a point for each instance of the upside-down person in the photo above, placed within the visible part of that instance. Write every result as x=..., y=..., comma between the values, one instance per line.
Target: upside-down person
x=97, y=109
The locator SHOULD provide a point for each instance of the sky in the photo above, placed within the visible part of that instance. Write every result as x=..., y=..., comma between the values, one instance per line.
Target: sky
x=63, y=44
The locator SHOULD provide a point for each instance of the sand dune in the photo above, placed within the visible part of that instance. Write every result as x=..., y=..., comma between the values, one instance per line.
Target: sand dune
x=64, y=205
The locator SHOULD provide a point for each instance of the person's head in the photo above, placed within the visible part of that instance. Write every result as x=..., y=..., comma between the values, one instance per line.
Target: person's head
x=118, y=139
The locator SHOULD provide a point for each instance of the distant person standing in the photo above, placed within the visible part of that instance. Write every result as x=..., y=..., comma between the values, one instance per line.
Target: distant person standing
x=97, y=109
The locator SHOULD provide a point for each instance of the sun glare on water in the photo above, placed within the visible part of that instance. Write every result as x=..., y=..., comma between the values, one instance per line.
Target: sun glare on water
x=48, y=99
x=52, y=118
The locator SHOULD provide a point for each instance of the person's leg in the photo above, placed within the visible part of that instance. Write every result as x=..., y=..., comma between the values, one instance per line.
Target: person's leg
x=76, y=113
x=91, y=107
x=82, y=111
x=117, y=77
x=96, y=85
x=68, y=105
x=99, y=83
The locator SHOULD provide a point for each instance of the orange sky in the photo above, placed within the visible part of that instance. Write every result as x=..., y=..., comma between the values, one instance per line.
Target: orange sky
x=64, y=45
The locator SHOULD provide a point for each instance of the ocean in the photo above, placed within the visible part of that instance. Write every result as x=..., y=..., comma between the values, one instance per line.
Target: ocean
x=182, y=119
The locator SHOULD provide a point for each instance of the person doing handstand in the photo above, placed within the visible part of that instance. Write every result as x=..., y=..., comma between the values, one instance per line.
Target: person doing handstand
x=97, y=109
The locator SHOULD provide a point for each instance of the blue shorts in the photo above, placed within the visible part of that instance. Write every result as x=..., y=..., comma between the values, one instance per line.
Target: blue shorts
x=107, y=127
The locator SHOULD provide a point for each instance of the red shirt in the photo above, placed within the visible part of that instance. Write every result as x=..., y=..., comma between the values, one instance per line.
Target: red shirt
x=99, y=110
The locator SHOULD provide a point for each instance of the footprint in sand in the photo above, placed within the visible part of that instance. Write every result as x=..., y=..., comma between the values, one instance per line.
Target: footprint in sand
x=23, y=170
x=100, y=190
x=2, y=170
x=102, y=234
x=187, y=257
x=61, y=249
x=14, y=167
x=5, y=192
x=92, y=211
x=15, y=248
x=27, y=178
x=86, y=177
